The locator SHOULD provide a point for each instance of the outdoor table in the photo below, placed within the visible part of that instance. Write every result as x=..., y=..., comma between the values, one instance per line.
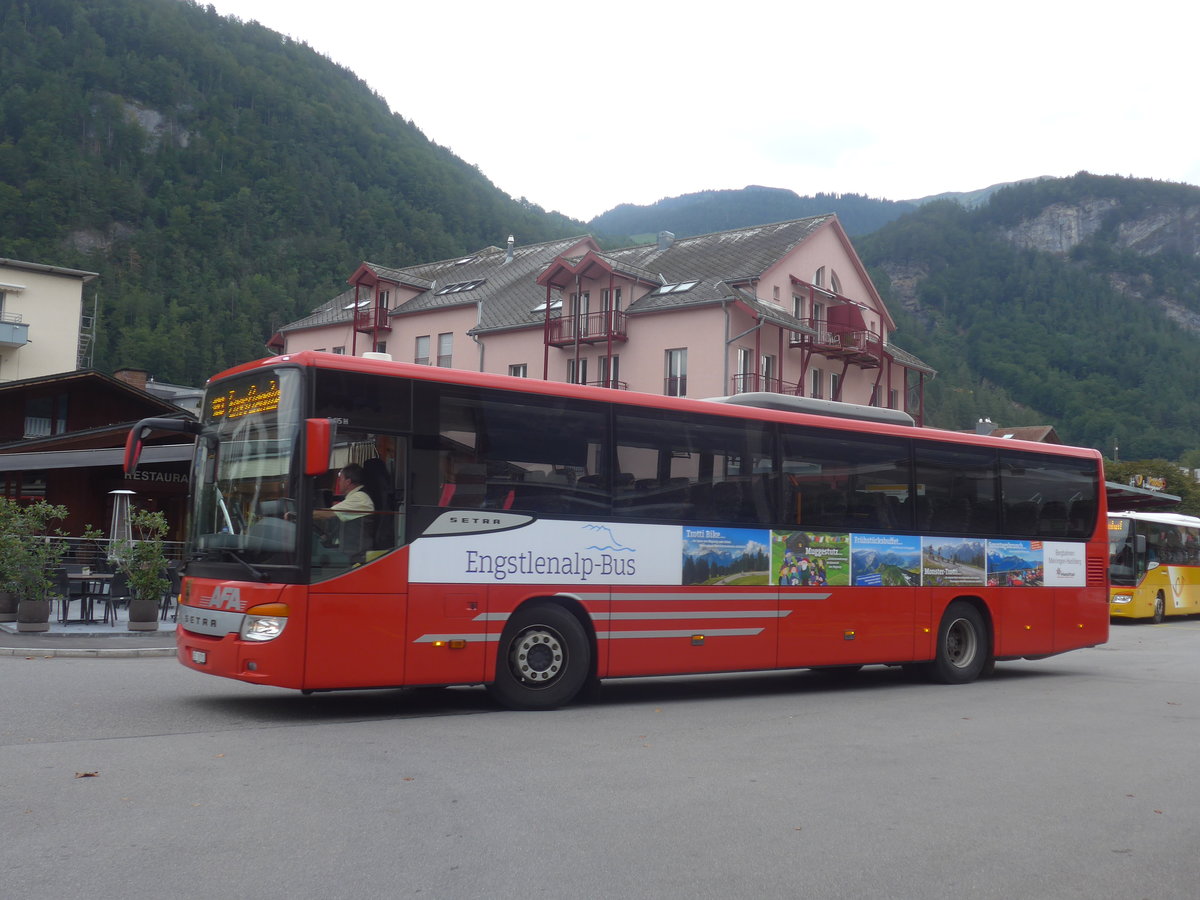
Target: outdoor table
x=93, y=587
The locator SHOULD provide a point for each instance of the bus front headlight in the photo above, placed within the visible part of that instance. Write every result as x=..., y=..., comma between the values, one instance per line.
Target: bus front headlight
x=265, y=622
x=1122, y=598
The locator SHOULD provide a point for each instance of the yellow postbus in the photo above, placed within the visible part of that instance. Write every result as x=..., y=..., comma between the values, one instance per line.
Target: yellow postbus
x=1153, y=565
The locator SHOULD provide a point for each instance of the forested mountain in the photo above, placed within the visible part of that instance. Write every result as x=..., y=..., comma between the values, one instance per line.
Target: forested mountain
x=708, y=211
x=221, y=178
x=1073, y=302
x=224, y=180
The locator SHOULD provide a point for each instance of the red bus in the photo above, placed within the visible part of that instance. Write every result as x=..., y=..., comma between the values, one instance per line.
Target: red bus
x=536, y=537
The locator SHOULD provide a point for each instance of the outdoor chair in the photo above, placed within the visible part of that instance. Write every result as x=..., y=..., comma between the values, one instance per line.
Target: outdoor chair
x=118, y=593
x=170, y=597
x=61, y=593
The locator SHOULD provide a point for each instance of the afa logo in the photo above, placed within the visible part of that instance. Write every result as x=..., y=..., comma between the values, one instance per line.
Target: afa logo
x=223, y=598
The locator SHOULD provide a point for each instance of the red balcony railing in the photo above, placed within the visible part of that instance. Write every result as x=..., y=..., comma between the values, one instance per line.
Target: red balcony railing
x=610, y=383
x=748, y=382
x=592, y=328
x=372, y=318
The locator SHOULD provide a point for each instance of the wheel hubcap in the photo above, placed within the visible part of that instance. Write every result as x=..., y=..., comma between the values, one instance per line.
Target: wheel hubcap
x=538, y=655
x=960, y=643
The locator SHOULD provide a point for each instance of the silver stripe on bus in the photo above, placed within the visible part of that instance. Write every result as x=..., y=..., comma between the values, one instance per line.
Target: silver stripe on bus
x=716, y=632
x=674, y=614
x=687, y=614
x=695, y=597
x=217, y=622
x=600, y=635
x=469, y=638
x=672, y=596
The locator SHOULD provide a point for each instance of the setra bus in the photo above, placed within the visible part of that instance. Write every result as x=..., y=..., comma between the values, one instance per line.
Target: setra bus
x=1153, y=565
x=536, y=537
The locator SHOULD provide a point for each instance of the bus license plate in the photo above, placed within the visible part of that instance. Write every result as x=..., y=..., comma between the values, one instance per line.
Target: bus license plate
x=199, y=657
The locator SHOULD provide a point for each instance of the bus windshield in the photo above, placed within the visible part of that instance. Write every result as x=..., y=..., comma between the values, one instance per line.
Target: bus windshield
x=244, y=502
x=1121, y=556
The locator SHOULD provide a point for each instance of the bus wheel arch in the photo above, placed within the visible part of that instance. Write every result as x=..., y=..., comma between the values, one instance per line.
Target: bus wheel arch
x=964, y=650
x=545, y=657
x=1160, y=608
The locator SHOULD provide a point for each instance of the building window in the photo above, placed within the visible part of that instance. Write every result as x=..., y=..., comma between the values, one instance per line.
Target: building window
x=819, y=278
x=459, y=286
x=520, y=370
x=445, y=350
x=893, y=399
x=577, y=371
x=421, y=356
x=676, y=378
x=835, y=283
x=745, y=370
x=610, y=371
x=835, y=386
x=340, y=351
x=817, y=381
x=677, y=287
x=45, y=416
x=798, y=307
x=767, y=369
x=23, y=485
x=579, y=309
x=381, y=346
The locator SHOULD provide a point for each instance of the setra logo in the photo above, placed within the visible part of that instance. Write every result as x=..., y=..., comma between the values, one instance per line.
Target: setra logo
x=223, y=598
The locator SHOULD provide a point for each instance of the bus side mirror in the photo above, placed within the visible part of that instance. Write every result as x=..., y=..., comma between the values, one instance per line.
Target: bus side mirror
x=318, y=445
x=139, y=432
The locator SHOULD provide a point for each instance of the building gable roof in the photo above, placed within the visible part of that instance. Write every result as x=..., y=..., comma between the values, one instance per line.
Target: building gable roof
x=508, y=284
x=511, y=288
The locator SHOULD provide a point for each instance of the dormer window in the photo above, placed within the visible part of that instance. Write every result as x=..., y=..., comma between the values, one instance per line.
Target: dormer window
x=460, y=286
x=677, y=288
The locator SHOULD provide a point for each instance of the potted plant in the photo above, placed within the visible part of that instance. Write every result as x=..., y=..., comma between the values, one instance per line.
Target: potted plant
x=37, y=553
x=10, y=538
x=143, y=559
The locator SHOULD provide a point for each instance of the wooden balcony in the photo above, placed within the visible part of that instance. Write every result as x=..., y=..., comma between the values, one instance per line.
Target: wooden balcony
x=860, y=348
x=370, y=319
x=593, y=328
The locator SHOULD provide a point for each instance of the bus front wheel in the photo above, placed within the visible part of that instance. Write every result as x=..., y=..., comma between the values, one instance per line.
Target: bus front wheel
x=1160, y=609
x=544, y=659
x=963, y=650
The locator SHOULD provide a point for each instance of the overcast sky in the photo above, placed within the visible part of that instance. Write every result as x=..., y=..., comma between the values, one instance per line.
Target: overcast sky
x=579, y=107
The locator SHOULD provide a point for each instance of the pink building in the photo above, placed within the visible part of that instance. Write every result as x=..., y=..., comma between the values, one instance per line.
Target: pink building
x=785, y=308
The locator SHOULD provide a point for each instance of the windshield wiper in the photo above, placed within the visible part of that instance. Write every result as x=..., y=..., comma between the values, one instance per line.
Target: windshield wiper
x=211, y=552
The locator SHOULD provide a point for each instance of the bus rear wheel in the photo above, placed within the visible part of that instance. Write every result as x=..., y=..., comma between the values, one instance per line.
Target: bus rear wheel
x=544, y=659
x=963, y=651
